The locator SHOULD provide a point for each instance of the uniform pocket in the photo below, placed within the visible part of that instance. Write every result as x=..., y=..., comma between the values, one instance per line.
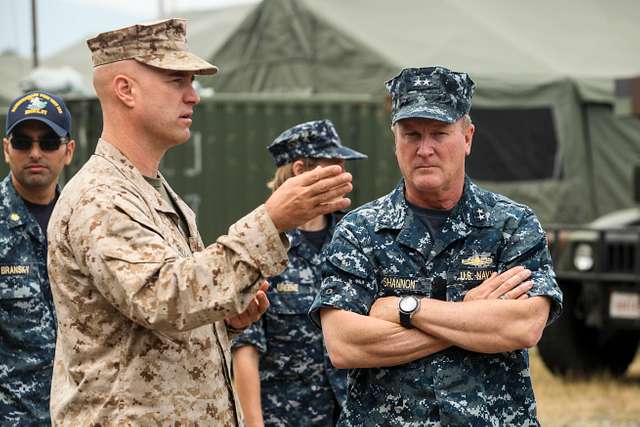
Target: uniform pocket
x=294, y=344
x=293, y=303
x=19, y=287
x=24, y=315
x=462, y=280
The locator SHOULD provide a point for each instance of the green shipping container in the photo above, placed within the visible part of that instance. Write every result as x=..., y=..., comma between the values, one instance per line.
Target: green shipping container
x=222, y=171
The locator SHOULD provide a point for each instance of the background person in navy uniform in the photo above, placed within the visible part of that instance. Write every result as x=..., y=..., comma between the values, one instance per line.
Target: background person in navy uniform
x=411, y=300
x=37, y=147
x=282, y=372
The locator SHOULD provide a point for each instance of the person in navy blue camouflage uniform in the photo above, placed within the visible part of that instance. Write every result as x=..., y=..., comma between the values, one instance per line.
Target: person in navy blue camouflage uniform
x=282, y=372
x=37, y=147
x=432, y=294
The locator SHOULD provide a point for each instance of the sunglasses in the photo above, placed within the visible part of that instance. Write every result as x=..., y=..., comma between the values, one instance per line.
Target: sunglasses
x=24, y=143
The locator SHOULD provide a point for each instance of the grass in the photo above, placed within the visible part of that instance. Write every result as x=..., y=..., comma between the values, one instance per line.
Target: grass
x=602, y=401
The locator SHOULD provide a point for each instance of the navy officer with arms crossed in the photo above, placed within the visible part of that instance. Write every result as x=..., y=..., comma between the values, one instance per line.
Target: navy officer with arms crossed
x=411, y=301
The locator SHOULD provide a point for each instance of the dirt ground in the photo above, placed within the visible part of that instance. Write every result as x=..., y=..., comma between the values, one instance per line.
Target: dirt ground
x=598, y=402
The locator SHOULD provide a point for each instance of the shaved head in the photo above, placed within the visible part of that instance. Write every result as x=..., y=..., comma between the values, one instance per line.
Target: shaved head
x=103, y=78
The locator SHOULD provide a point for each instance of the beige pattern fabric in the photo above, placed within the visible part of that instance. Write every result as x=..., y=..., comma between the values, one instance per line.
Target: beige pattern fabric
x=161, y=44
x=141, y=338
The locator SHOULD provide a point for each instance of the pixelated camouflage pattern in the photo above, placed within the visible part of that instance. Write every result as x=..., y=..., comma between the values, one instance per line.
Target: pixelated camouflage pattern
x=299, y=385
x=27, y=317
x=161, y=44
x=430, y=92
x=140, y=306
x=314, y=139
x=382, y=241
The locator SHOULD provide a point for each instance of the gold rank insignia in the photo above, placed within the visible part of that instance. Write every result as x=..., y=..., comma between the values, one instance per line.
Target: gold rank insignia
x=14, y=217
x=287, y=287
x=482, y=260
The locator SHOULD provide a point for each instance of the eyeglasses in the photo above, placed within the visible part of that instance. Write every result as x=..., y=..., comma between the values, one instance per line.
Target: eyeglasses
x=24, y=143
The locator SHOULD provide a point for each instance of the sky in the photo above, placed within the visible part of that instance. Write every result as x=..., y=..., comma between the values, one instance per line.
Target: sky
x=63, y=22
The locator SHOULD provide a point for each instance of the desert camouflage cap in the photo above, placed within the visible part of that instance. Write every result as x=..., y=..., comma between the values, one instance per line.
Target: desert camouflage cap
x=431, y=92
x=161, y=44
x=314, y=139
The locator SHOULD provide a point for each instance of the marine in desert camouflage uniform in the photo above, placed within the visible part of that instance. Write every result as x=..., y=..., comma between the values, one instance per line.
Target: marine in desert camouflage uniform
x=411, y=299
x=144, y=309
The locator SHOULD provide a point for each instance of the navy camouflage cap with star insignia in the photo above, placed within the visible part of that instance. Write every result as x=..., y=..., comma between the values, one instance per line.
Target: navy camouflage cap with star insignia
x=431, y=93
x=316, y=139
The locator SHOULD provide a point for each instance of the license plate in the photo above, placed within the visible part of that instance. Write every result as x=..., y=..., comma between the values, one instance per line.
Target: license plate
x=624, y=305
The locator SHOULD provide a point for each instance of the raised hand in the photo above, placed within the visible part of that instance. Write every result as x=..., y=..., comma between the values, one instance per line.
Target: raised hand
x=308, y=195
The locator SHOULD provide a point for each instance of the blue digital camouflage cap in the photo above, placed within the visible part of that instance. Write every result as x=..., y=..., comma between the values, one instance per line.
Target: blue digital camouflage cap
x=42, y=106
x=431, y=93
x=315, y=139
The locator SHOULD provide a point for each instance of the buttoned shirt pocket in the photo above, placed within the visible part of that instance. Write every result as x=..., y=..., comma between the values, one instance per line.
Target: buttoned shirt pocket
x=287, y=314
x=463, y=280
x=22, y=310
x=291, y=337
x=290, y=303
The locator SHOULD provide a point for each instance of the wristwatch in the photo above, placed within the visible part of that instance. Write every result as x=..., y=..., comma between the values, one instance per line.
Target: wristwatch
x=407, y=307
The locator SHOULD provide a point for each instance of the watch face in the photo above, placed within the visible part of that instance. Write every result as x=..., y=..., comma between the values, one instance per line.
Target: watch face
x=408, y=304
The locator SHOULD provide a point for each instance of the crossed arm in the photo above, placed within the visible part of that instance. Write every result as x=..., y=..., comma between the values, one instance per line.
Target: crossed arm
x=482, y=323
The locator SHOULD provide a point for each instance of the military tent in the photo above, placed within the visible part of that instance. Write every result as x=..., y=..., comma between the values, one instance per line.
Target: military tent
x=547, y=131
x=12, y=67
x=207, y=30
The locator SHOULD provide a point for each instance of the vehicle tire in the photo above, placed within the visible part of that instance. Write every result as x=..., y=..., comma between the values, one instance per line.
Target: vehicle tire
x=569, y=347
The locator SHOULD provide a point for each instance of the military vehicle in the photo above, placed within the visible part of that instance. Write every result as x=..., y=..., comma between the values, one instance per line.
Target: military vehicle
x=598, y=269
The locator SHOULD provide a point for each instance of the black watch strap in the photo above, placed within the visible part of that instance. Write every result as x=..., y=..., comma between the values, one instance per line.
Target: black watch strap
x=405, y=320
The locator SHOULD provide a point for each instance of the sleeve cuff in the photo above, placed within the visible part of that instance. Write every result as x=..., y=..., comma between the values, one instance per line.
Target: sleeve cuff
x=265, y=245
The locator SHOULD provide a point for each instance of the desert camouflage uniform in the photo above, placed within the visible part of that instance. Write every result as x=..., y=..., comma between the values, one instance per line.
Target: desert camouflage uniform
x=141, y=306
x=382, y=249
x=298, y=384
x=27, y=317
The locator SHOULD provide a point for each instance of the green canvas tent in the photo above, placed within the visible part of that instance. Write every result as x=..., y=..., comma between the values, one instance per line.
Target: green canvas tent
x=207, y=30
x=12, y=67
x=547, y=133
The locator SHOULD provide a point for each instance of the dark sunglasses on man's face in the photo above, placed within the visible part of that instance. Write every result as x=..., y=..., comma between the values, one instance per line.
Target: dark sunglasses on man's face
x=47, y=143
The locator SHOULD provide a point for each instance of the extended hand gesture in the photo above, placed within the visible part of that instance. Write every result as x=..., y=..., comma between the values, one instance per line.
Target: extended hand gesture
x=308, y=195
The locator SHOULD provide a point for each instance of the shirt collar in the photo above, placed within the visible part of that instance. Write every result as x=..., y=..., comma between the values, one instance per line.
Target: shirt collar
x=474, y=207
x=14, y=211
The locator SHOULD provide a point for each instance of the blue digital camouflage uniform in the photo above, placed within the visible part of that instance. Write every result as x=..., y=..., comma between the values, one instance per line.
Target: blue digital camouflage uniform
x=299, y=386
x=27, y=317
x=382, y=249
